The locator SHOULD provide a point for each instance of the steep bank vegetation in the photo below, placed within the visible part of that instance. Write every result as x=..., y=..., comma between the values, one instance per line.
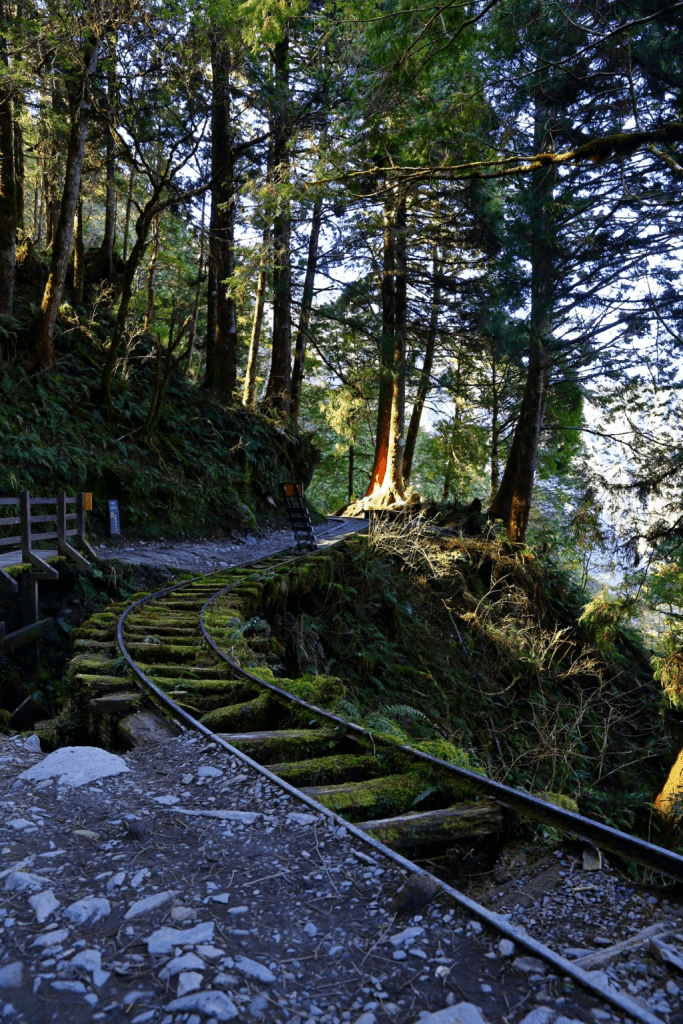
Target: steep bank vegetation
x=455, y=640
x=207, y=468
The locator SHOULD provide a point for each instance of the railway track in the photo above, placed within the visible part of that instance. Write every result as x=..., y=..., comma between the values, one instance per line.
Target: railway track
x=174, y=645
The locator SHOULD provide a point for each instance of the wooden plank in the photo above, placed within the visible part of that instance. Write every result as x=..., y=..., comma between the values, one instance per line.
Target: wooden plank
x=6, y=541
x=264, y=736
x=9, y=501
x=26, y=635
x=44, y=519
x=52, y=535
x=43, y=501
x=447, y=825
x=10, y=521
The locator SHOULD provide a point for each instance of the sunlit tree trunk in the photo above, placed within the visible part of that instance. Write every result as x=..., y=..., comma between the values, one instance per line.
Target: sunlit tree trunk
x=79, y=257
x=386, y=483
x=512, y=501
x=43, y=352
x=221, y=332
x=426, y=372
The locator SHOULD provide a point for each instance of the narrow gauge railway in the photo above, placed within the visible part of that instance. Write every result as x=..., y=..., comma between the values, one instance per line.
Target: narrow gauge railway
x=329, y=763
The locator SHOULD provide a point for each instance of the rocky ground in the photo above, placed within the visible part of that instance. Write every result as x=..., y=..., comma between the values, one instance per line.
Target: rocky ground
x=177, y=884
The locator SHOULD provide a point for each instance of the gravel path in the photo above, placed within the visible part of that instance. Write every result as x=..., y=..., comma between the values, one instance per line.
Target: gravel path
x=189, y=888
x=209, y=555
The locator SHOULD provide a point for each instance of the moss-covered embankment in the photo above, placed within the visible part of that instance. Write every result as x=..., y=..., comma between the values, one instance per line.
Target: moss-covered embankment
x=462, y=642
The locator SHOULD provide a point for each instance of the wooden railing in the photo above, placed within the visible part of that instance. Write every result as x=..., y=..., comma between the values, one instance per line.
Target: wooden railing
x=28, y=537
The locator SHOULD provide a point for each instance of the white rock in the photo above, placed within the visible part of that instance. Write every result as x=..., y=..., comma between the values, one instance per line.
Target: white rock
x=301, y=819
x=208, y=771
x=310, y=929
x=117, y=881
x=461, y=1013
x=89, y=909
x=399, y=954
x=539, y=1015
x=253, y=969
x=70, y=986
x=44, y=904
x=167, y=799
x=407, y=935
x=366, y=1018
x=19, y=881
x=149, y=903
x=210, y=952
x=221, y=897
x=32, y=743
x=76, y=766
x=238, y=910
x=213, y=1004
x=186, y=962
x=189, y=981
x=164, y=939
x=91, y=960
x=11, y=975
x=506, y=947
x=55, y=938
x=20, y=823
x=243, y=817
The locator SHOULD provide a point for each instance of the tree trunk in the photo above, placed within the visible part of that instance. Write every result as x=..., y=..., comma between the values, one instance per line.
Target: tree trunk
x=352, y=453
x=19, y=170
x=79, y=257
x=426, y=372
x=129, y=206
x=43, y=352
x=221, y=339
x=9, y=198
x=305, y=313
x=109, y=235
x=197, y=293
x=386, y=483
x=152, y=273
x=278, y=390
x=386, y=354
x=249, y=395
x=512, y=502
x=130, y=269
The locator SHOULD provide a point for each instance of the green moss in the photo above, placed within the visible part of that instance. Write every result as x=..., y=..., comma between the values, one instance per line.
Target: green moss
x=560, y=800
x=244, y=717
x=393, y=794
x=322, y=771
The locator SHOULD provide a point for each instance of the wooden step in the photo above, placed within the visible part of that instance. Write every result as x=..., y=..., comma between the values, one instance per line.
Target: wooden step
x=329, y=771
x=448, y=825
x=393, y=793
x=268, y=745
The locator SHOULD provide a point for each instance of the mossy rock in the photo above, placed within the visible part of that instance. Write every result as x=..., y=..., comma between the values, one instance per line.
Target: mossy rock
x=377, y=798
x=323, y=691
x=567, y=803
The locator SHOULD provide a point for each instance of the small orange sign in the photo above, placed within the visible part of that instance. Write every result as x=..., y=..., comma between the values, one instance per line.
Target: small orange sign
x=87, y=501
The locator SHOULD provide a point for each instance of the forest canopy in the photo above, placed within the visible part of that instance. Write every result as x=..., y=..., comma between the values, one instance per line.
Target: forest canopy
x=444, y=237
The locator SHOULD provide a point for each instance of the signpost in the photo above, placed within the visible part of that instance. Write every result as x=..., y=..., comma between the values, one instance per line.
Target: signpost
x=114, y=521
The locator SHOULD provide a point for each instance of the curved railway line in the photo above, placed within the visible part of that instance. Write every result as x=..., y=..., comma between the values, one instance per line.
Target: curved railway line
x=329, y=763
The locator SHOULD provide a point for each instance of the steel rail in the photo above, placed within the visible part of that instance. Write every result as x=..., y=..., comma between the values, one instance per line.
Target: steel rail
x=616, y=998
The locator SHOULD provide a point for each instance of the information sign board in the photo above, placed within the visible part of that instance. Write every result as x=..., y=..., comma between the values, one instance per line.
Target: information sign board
x=114, y=521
